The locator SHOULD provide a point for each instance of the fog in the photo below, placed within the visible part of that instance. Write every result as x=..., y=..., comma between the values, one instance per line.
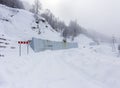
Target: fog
x=99, y=15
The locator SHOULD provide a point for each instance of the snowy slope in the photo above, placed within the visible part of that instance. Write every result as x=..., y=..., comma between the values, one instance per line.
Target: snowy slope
x=89, y=66
x=18, y=24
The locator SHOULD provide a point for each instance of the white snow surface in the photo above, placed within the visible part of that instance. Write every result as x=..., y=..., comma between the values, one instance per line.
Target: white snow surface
x=20, y=23
x=89, y=66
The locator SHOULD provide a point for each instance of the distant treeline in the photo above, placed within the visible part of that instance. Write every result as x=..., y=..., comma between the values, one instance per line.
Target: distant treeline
x=67, y=31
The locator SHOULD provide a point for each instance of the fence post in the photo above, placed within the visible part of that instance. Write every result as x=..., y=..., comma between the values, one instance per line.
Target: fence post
x=27, y=48
x=19, y=49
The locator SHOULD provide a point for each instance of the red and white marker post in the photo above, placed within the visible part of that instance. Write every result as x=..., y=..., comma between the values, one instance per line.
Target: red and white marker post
x=23, y=42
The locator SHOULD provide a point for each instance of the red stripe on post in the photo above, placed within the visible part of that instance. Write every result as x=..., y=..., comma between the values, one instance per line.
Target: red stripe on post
x=27, y=42
x=18, y=42
x=23, y=42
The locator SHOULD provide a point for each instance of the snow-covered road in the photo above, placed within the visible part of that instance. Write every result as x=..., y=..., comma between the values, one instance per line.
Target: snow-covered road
x=52, y=72
x=49, y=69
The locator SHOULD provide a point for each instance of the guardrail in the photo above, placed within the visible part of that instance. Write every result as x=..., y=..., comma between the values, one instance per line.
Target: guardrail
x=40, y=45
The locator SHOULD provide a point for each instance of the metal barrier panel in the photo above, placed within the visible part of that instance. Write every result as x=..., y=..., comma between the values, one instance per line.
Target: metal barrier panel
x=40, y=45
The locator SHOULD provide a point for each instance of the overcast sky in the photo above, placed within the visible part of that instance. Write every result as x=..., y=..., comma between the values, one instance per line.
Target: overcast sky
x=100, y=15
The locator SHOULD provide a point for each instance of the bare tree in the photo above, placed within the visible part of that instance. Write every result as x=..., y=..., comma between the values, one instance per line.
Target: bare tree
x=55, y=23
x=65, y=34
x=36, y=7
x=74, y=29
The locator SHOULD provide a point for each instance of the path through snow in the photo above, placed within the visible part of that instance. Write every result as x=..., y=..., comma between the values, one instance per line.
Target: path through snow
x=45, y=70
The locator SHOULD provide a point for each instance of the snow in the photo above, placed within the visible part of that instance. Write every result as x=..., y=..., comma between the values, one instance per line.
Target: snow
x=89, y=66
x=20, y=23
x=74, y=68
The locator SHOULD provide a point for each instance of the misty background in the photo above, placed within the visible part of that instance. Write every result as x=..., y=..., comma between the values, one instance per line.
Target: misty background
x=100, y=15
x=96, y=19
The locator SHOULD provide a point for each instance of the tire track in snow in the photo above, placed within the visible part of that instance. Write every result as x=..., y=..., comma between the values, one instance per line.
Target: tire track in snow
x=80, y=71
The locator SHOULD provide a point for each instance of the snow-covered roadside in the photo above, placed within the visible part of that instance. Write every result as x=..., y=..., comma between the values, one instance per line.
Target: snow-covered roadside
x=87, y=67
x=74, y=68
x=97, y=66
x=44, y=70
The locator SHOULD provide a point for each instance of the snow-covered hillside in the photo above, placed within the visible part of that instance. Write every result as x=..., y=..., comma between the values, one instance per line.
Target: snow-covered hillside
x=20, y=25
x=89, y=66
